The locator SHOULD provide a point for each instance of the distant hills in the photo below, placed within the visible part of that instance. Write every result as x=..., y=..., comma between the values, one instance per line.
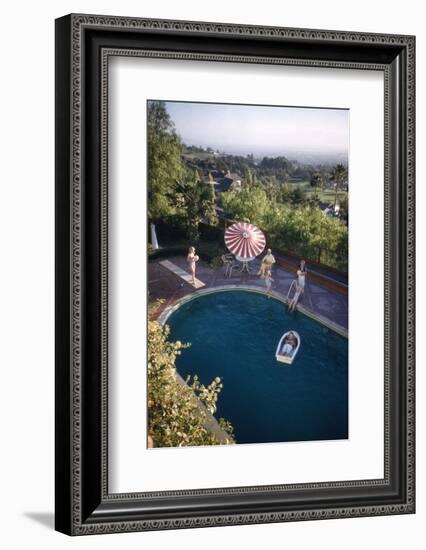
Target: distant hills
x=301, y=157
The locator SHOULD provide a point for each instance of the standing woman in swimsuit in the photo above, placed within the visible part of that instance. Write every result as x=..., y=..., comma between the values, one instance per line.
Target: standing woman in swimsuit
x=301, y=275
x=192, y=259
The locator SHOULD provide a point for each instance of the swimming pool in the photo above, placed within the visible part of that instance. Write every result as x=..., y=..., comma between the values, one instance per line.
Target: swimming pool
x=234, y=335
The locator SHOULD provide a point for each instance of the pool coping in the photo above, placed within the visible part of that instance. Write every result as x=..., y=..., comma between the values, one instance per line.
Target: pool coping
x=165, y=314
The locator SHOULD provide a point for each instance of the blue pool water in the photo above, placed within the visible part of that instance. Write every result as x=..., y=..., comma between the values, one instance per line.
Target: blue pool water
x=234, y=335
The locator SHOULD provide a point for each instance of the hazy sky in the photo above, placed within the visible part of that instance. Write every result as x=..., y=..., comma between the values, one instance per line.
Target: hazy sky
x=262, y=129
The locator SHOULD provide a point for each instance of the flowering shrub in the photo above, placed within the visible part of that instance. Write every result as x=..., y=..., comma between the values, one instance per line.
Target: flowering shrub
x=178, y=411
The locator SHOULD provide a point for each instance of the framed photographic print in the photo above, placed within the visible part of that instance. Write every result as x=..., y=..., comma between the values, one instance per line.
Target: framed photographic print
x=234, y=274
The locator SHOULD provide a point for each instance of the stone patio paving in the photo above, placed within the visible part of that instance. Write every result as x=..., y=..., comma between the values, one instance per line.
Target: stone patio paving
x=317, y=300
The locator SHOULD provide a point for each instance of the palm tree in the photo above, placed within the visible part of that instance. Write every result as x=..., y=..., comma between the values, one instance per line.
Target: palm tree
x=197, y=200
x=338, y=175
x=317, y=181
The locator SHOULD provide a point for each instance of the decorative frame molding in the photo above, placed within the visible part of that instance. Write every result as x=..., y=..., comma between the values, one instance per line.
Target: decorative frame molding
x=84, y=43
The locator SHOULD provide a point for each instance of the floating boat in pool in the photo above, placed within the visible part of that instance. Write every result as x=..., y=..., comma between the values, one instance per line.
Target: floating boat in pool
x=284, y=354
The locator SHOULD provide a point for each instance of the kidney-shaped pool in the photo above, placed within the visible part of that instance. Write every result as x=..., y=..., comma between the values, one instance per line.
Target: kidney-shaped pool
x=234, y=335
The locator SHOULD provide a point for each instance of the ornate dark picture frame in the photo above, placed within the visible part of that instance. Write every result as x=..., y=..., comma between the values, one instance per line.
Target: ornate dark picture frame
x=84, y=44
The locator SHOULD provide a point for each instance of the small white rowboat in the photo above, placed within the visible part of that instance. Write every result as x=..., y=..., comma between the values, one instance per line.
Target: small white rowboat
x=284, y=354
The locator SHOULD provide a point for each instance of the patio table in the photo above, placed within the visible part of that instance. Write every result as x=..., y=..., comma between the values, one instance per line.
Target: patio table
x=245, y=263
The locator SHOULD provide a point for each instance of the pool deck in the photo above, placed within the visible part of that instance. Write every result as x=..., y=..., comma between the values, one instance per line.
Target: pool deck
x=319, y=302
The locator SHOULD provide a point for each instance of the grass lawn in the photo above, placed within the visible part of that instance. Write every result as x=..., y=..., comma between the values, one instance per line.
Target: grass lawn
x=327, y=195
x=303, y=185
x=199, y=156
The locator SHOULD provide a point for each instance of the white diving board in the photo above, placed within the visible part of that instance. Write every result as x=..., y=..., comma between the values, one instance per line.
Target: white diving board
x=182, y=274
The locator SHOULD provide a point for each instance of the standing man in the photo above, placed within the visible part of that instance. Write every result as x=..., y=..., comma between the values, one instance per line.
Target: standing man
x=267, y=263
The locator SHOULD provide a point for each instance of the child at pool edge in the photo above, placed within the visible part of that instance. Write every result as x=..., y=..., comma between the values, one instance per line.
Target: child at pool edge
x=293, y=302
x=268, y=282
x=301, y=275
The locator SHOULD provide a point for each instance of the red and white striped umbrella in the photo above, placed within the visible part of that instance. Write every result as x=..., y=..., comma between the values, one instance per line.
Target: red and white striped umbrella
x=244, y=240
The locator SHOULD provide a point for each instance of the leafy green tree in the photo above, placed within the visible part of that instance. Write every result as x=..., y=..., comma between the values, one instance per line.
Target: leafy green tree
x=249, y=178
x=248, y=204
x=320, y=235
x=313, y=201
x=297, y=196
x=313, y=234
x=302, y=229
x=271, y=187
x=164, y=161
x=178, y=411
x=284, y=193
x=341, y=251
x=344, y=208
x=210, y=212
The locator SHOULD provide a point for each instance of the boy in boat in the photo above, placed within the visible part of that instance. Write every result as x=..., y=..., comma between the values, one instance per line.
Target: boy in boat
x=290, y=343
